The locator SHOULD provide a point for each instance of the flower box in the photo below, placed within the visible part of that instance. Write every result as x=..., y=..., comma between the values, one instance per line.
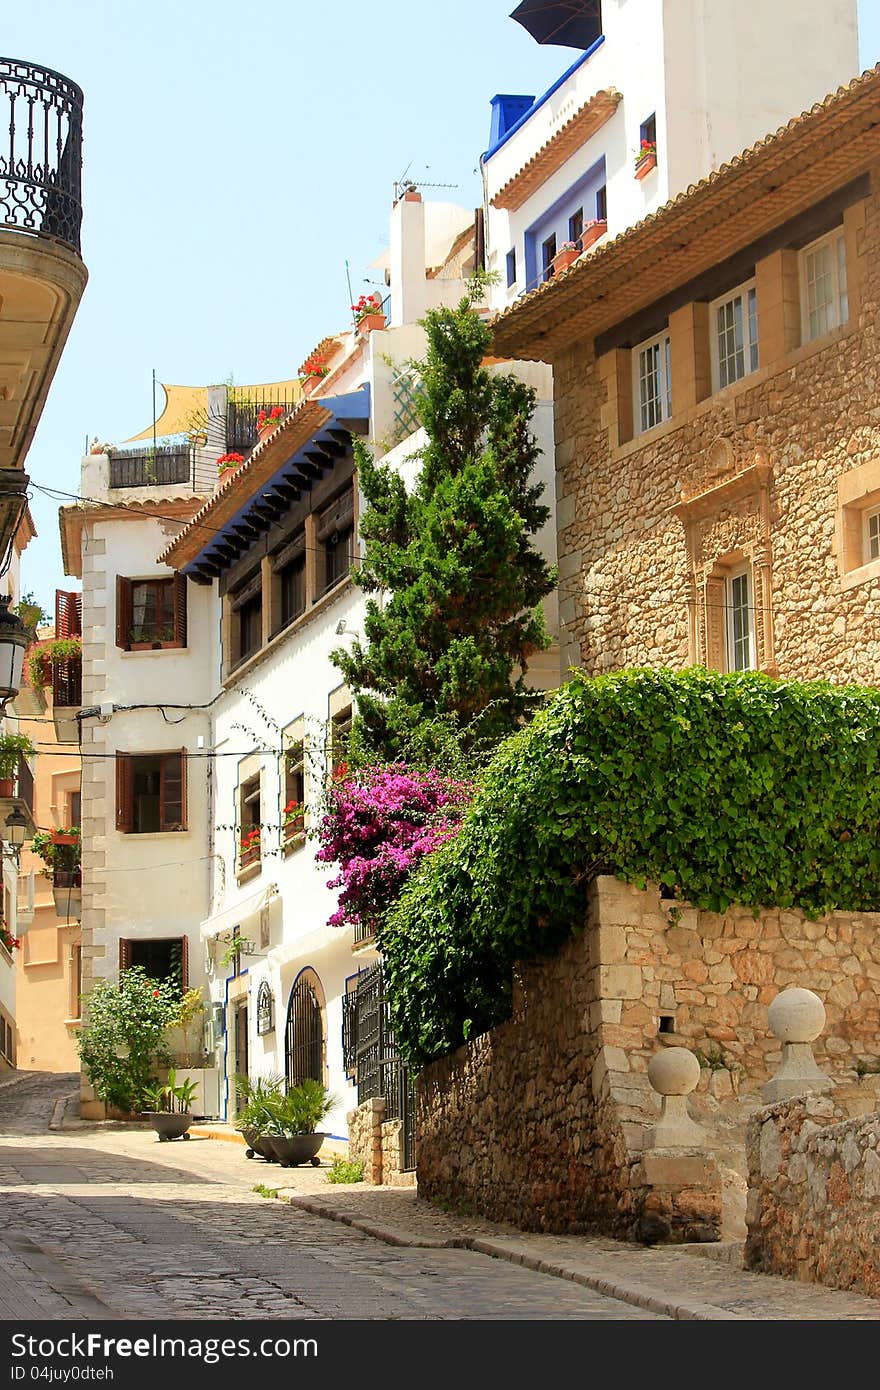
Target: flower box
x=645, y=163
x=368, y=323
x=251, y=855
x=311, y=382
x=592, y=232
x=564, y=258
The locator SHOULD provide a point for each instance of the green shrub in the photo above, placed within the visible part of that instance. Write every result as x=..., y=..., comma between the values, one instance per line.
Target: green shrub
x=723, y=789
x=345, y=1170
x=121, y=1045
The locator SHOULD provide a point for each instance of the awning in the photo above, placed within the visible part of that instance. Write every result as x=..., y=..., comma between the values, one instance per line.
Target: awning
x=245, y=911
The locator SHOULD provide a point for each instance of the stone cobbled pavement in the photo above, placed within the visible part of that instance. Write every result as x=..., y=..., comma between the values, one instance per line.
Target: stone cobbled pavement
x=103, y=1221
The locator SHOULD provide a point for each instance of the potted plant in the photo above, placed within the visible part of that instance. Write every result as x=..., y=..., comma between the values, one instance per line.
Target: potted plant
x=565, y=256
x=39, y=668
x=169, y=1108
x=249, y=847
x=7, y=940
x=30, y=612
x=227, y=463
x=293, y=1133
x=254, y=1118
x=313, y=371
x=293, y=819
x=12, y=747
x=368, y=315
x=646, y=159
x=60, y=851
x=596, y=227
x=269, y=420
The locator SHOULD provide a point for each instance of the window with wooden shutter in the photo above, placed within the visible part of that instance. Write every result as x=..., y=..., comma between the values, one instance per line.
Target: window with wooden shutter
x=124, y=955
x=180, y=609
x=123, y=612
x=163, y=959
x=124, y=802
x=68, y=614
x=172, y=792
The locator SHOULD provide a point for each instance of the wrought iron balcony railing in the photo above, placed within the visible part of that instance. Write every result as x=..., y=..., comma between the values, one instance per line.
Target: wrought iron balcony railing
x=40, y=152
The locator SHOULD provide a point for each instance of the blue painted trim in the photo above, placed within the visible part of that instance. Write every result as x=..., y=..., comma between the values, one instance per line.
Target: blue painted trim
x=517, y=125
x=229, y=979
x=534, y=273
x=351, y=405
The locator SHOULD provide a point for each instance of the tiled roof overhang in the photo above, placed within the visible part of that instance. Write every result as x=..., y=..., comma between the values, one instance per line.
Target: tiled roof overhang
x=303, y=449
x=813, y=156
x=71, y=521
x=551, y=156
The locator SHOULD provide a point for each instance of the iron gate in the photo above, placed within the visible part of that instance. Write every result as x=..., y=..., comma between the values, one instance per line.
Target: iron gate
x=304, y=1038
x=380, y=1070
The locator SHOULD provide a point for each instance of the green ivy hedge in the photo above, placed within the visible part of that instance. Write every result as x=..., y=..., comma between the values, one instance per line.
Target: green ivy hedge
x=725, y=789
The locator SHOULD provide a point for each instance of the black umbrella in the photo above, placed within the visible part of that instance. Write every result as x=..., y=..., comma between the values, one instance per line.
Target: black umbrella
x=570, y=23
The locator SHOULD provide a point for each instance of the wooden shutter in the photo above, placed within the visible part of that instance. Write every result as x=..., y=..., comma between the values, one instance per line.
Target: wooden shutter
x=716, y=624
x=123, y=612
x=172, y=792
x=180, y=609
x=184, y=964
x=68, y=614
x=124, y=955
x=124, y=799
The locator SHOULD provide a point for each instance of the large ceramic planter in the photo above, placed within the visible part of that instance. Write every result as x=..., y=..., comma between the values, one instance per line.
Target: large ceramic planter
x=298, y=1148
x=169, y=1125
x=563, y=259
x=369, y=323
x=592, y=233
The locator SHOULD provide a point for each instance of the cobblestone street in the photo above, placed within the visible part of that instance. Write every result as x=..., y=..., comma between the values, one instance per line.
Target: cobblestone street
x=99, y=1224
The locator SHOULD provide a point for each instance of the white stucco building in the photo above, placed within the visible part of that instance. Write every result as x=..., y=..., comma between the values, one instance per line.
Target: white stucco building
x=699, y=80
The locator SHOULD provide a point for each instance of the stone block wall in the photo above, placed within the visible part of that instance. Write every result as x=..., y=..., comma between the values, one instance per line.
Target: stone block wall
x=542, y=1121
x=814, y=1185
x=634, y=563
x=365, y=1137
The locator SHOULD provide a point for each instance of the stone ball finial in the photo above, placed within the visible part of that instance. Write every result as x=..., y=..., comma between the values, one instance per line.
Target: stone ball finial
x=674, y=1072
x=796, y=1015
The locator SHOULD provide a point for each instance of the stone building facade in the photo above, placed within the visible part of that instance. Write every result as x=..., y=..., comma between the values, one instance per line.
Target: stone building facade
x=717, y=431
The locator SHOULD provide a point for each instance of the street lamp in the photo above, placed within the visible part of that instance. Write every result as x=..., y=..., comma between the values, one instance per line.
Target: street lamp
x=14, y=642
x=16, y=831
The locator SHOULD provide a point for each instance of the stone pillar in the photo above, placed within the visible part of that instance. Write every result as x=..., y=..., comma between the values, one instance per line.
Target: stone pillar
x=674, y=1073
x=796, y=1017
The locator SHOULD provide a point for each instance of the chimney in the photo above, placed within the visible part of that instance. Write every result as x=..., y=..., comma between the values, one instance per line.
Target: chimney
x=407, y=256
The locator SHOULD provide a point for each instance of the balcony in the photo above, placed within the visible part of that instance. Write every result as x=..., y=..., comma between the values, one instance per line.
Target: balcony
x=67, y=697
x=17, y=791
x=152, y=467
x=42, y=276
x=364, y=936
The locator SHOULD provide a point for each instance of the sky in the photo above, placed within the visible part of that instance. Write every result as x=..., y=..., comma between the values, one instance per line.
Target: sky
x=235, y=157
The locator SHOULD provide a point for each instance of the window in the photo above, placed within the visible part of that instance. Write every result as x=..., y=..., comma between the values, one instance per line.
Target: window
x=161, y=958
x=824, y=301
x=602, y=203
x=74, y=808
x=250, y=816
x=652, y=383
x=733, y=325
x=151, y=612
x=293, y=590
x=648, y=131
x=336, y=538
x=150, y=792
x=548, y=251
x=872, y=536
x=576, y=225
x=740, y=627
x=340, y=737
x=294, y=791
x=250, y=627
x=511, y=268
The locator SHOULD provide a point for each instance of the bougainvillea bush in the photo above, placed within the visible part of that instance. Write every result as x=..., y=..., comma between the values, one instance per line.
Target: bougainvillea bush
x=722, y=788
x=379, y=823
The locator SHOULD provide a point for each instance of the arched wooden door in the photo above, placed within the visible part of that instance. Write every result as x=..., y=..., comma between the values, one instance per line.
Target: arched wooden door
x=304, y=1035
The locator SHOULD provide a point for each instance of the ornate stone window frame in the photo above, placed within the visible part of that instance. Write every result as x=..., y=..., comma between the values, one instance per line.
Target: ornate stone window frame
x=726, y=521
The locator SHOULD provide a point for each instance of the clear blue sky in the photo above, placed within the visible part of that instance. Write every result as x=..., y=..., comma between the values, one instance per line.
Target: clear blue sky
x=234, y=158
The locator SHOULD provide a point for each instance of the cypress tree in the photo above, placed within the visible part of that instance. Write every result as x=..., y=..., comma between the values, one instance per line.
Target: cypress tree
x=458, y=581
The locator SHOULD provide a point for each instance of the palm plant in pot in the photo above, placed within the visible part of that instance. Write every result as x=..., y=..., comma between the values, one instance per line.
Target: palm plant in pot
x=294, y=1135
x=254, y=1117
x=169, y=1108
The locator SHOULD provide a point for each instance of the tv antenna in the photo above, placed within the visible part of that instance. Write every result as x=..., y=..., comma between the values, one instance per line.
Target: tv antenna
x=404, y=182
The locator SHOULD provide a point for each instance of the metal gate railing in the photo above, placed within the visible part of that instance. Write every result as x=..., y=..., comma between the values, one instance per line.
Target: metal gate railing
x=378, y=1064
x=304, y=1036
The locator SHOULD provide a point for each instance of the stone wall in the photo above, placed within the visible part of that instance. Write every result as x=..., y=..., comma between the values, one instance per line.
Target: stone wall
x=542, y=1121
x=814, y=1185
x=634, y=565
x=365, y=1137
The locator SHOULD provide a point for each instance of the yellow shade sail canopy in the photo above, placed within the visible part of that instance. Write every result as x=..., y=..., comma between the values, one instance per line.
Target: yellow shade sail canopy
x=186, y=407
